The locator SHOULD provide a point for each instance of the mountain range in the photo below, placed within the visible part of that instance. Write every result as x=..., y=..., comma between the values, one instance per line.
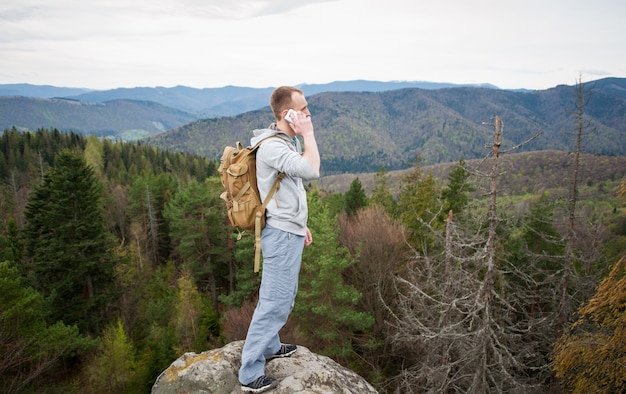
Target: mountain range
x=134, y=113
x=364, y=131
x=208, y=102
x=361, y=125
x=120, y=119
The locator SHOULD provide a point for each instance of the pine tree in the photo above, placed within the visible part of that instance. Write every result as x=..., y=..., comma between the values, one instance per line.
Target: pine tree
x=94, y=154
x=456, y=193
x=149, y=195
x=188, y=313
x=70, y=251
x=196, y=217
x=419, y=207
x=113, y=368
x=355, y=198
x=156, y=333
x=11, y=245
x=325, y=305
x=381, y=195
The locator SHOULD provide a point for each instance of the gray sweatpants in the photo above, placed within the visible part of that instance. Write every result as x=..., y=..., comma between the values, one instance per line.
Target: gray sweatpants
x=282, y=257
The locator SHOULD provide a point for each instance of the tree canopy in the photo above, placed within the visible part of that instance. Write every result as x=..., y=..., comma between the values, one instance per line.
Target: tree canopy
x=69, y=248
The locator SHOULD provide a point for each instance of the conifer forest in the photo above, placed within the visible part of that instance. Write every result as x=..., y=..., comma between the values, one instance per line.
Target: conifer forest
x=117, y=258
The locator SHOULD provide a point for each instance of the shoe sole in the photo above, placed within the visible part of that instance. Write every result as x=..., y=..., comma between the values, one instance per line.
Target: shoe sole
x=288, y=354
x=260, y=389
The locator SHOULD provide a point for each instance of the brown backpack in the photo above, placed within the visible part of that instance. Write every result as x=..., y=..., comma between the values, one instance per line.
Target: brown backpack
x=243, y=202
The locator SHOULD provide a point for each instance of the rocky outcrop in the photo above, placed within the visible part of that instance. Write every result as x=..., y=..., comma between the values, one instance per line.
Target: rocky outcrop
x=215, y=371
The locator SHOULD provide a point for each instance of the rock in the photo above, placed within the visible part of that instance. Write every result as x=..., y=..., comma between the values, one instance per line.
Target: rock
x=215, y=371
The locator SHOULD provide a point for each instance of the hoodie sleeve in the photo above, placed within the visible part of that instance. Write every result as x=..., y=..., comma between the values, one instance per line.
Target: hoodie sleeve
x=279, y=155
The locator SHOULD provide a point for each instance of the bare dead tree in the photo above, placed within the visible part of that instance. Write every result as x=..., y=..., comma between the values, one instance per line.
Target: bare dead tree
x=456, y=306
x=566, y=306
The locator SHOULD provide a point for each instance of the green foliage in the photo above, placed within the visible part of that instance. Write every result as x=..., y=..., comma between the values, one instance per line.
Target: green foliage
x=156, y=335
x=456, y=194
x=68, y=203
x=33, y=153
x=165, y=314
x=68, y=245
x=149, y=195
x=355, y=198
x=246, y=281
x=25, y=156
x=112, y=369
x=175, y=257
x=11, y=244
x=590, y=357
x=325, y=307
x=536, y=248
x=196, y=216
x=94, y=155
x=381, y=194
x=541, y=237
x=29, y=347
x=188, y=310
x=420, y=207
x=210, y=325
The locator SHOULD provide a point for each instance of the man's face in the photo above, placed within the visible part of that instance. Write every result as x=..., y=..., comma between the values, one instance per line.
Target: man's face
x=299, y=103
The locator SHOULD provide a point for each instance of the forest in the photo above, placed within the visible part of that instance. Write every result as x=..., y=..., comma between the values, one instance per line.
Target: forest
x=117, y=258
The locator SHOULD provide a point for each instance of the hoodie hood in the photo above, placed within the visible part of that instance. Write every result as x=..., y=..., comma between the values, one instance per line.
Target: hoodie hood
x=272, y=130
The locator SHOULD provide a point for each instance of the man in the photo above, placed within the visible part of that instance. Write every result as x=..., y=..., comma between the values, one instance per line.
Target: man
x=285, y=233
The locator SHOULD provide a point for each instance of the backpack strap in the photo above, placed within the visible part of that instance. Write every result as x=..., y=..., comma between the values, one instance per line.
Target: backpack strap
x=261, y=212
x=257, y=221
x=256, y=146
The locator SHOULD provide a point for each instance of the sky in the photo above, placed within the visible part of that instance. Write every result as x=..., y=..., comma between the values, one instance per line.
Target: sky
x=107, y=44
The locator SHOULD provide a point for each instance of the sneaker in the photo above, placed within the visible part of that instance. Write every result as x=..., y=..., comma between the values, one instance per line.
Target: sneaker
x=260, y=385
x=284, y=351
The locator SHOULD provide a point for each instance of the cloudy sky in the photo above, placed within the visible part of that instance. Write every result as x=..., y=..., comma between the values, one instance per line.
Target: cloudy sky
x=105, y=44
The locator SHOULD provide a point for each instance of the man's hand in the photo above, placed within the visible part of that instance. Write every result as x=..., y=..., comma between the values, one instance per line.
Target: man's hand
x=308, y=240
x=303, y=126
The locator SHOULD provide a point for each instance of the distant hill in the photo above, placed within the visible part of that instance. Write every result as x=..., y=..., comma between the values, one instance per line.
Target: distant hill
x=118, y=119
x=361, y=132
x=120, y=122
x=377, y=86
x=521, y=174
x=39, y=91
x=210, y=102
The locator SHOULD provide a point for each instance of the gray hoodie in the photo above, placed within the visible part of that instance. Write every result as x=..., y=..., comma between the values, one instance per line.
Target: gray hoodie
x=288, y=209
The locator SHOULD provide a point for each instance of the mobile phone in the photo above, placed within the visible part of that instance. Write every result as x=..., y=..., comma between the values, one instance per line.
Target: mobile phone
x=289, y=115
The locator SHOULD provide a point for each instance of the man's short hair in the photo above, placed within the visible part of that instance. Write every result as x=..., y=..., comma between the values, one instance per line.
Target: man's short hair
x=281, y=99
